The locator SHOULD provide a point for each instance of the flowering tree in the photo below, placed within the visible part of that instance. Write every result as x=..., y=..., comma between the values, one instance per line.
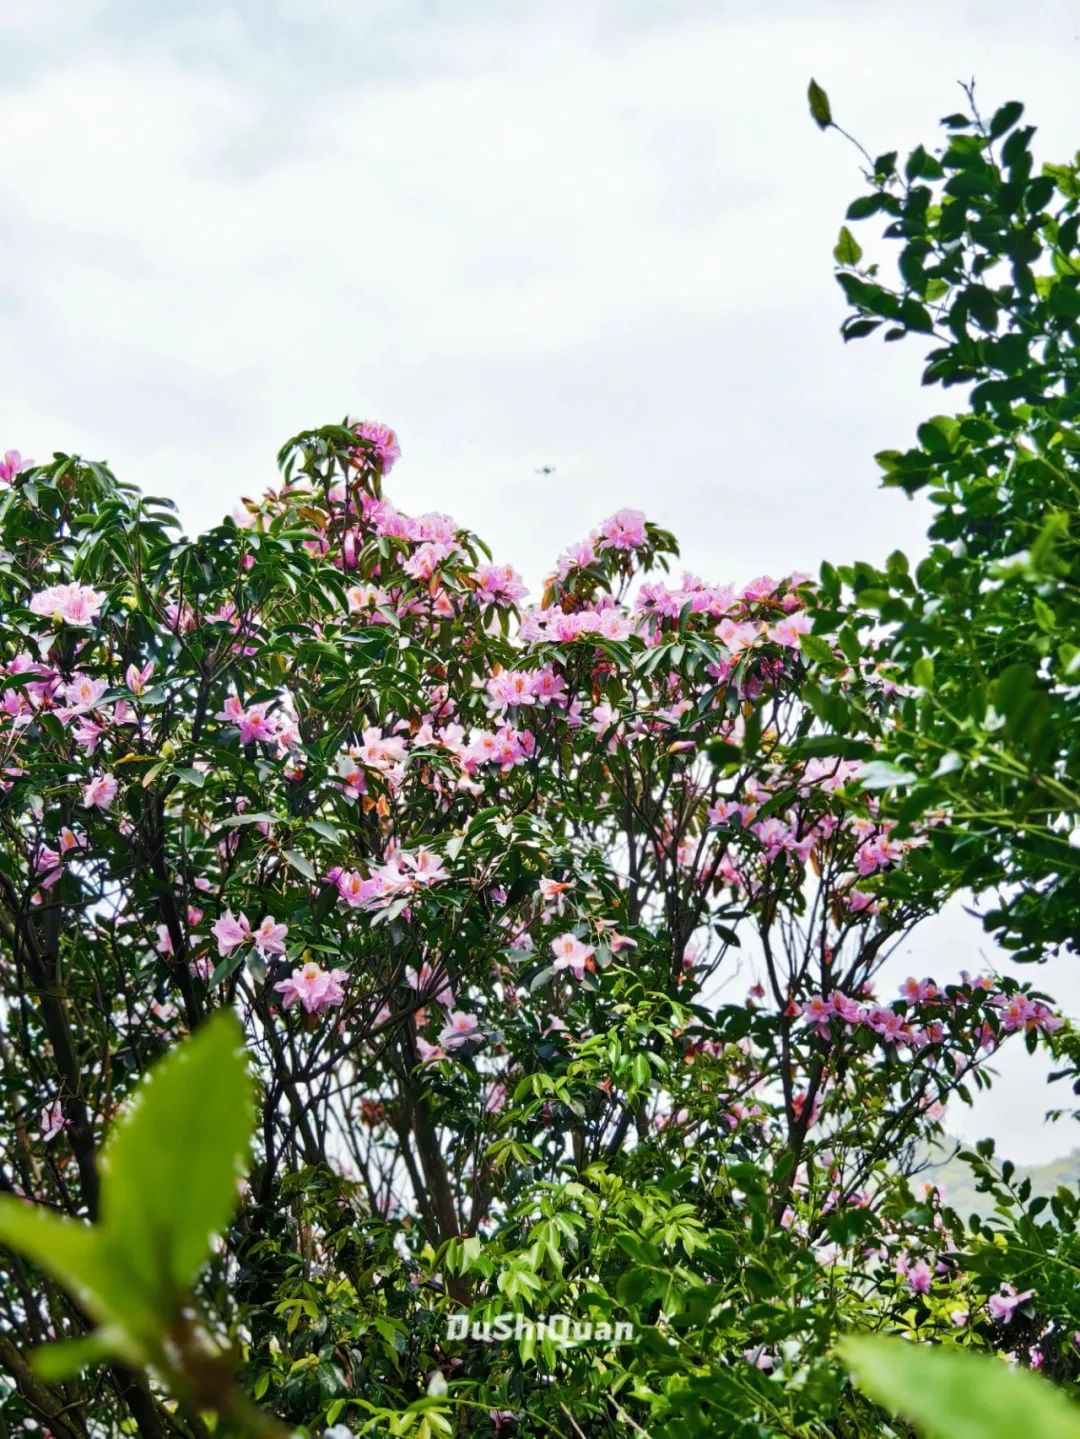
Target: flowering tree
x=552, y=931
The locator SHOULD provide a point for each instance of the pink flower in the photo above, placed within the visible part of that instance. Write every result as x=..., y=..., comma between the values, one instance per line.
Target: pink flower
x=571, y=954
x=83, y=693
x=817, y=1009
x=254, y=723
x=577, y=557
x=887, y=1023
x=551, y=889
x=459, y=1029
x=429, y=1053
x=316, y=988
x=426, y=866
x=100, y=792
x=738, y=637
x=230, y=932
x=499, y=582
x=53, y=1121
x=918, y=991
x=624, y=530
x=427, y=559
x=759, y=1358
x=137, y=679
x=509, y=689
x=270, y=937
x=429, y=982
x=919, y=1277
x=354, y=889
x=786, y=632
x=11, y=465
x=73, y=604
x=763, y=588
x=1001, y=1305
x=382, y=446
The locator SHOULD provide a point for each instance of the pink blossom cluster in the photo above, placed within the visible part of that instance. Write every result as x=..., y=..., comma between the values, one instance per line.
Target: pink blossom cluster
x=623, y=531
x=512, y=689
x=401, y=875
x=381, y=448
x=556, y=626
x=313, y=987
x=232, y=932
x=73, y=604
x=499, y=583
x=258, y=724
x=896, y=1027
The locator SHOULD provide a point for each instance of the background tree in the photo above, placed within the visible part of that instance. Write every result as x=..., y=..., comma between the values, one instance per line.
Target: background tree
x=985, y=631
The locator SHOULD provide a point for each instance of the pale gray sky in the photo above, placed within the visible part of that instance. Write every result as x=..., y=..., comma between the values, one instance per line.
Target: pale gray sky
x=593, y=234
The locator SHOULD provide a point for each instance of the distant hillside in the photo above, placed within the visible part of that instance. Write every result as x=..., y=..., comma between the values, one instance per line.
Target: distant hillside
x=959, y=1185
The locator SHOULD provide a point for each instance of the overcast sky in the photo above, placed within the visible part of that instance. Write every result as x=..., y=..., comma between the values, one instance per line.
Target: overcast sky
x=594, y=236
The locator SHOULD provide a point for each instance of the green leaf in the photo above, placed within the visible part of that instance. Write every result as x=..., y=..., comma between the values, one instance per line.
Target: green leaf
x=952, y=1394
x=817, y=650
x=54, y=1363
x=847, y=251
x=1005, y=118
x=301, y=863
x=170, y=1168
x=68, y=1250
x=881, y=774
x=820, y=108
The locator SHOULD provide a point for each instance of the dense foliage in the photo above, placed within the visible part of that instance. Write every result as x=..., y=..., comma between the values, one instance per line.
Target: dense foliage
x=552, y=933
x=987, y=629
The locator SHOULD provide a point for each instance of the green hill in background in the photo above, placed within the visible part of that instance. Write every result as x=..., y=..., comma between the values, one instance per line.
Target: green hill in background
x=958, y=1182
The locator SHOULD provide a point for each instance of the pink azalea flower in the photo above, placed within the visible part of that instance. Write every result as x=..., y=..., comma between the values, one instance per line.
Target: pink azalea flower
x=254, y=724
x=919, y=1277
x=100, y=792
x=551, y=889
x=786, y=632
x=571, y=954
x=270, y=937
x=82, y=692
x=426, y=866
x=459, y=1029
x=314, y=987
x=53, y=1121
x=354, y=889
x=137, y=679
x=11, y=465
x=230, y=932
x=918, y=991
x=499, y=582
x=817, y=1009
x=48, y=864
x=382, y=448
x=431, y=983
x=738, y=637
x=624, y=530
x=763, y=588
x=429, y=1053
x=887, y=1023
x=74, y=604
x=1001, y=1305
x=509, y=689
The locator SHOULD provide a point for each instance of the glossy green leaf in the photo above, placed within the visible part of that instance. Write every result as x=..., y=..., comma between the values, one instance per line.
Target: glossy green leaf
x=170, y=1169
x=953, y=1394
